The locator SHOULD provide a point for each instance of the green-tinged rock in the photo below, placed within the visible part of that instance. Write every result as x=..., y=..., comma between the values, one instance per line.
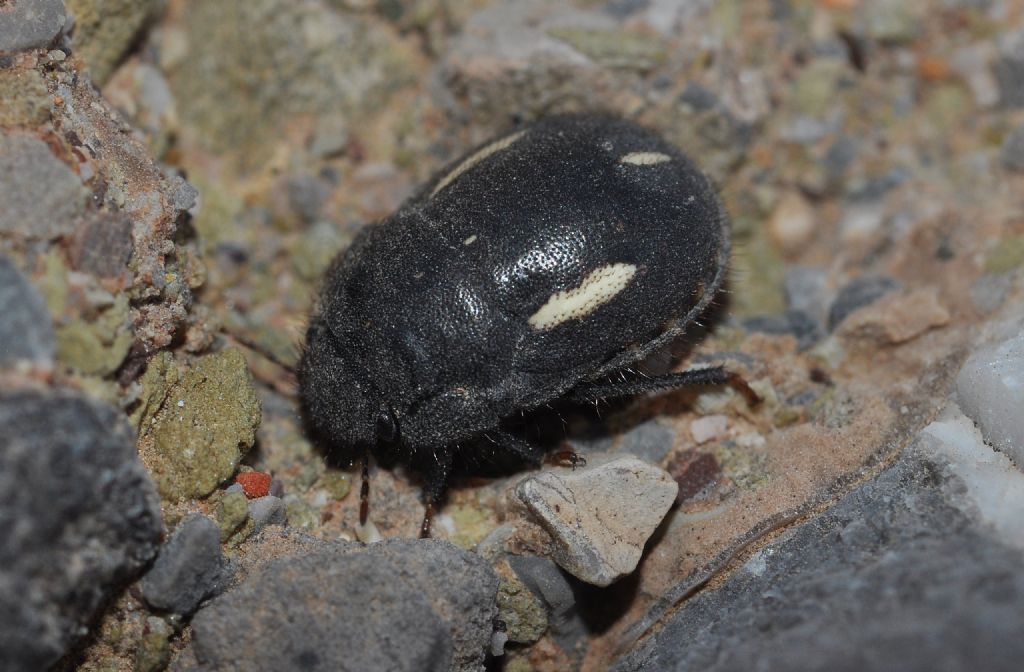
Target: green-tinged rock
x=1008, y=255
x=525, y=617
x=205, y=423
x=336, y=483
x=106, y=29
x=300, y=514
x=161, y=375
x=98, y=347
x=613, y=49
x=232, y=514
x=814, y=93
x=518, y=663
x=316, y=249
x=24, y=100
x=250, y=67
x=756, y=278
x=154, y=650
x=472, y=524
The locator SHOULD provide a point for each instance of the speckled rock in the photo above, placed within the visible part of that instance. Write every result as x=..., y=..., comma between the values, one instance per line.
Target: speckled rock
x=599, y=517
x=25, y=327
x=197, y=424
x=27, y=24
x=892, y=577
x=309, y=59
x=412, y=605
x=1012, y=153
x=189, y=569
x=41, y=195
x=524, y=616
x=858, y=293
x=24, y=100
x=81, y=518
x=990, y=388
x=105, y=29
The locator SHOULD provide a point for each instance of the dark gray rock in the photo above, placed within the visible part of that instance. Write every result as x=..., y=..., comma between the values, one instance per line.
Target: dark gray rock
x=858, y=293
x=26, y=330
x=401, y=604
x=28, y=24
x=546, y=581
x=189, y=569
x=102, y=244
x=649, y=441
x=1009, y=73
x=79, y=516
x=269, y=510
x=806, y=289
x=41, y=196
x=894, y=577
x=797, y=323
x=1012, y=154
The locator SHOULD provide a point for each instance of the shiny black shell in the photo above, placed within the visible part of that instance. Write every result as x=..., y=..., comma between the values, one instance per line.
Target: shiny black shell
x=555, y=254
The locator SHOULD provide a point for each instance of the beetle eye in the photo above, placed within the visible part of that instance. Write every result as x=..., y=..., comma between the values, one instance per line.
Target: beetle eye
x=387, y=426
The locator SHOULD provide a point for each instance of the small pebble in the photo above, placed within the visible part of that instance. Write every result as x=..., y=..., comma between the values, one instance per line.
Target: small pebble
x=709, y=427
x=600, y=516
x=857, y=294
x=268, y=510
x=1012, y=154
x=990, y=387
x=255, y=483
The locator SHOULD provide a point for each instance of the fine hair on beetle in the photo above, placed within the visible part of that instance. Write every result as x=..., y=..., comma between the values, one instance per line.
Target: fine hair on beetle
x=541, y=267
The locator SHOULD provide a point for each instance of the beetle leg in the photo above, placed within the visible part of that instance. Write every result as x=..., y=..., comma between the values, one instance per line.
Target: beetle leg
x=526, y=451
x=716, y=375
x=433, y=489
x=364, y=491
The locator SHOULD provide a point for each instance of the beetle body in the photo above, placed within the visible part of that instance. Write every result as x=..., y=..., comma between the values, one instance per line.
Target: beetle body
x=528, y=270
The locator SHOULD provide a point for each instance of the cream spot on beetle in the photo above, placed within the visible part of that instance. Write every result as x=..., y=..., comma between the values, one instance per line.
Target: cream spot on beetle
x=599, y=287
x=470, y=240
x=645, y=158
x=476, y=158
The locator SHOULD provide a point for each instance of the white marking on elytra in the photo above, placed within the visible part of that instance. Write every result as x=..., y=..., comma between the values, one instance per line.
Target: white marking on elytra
x=476, y=158
x=599, y=287
x=470, y=240
x=645, y=158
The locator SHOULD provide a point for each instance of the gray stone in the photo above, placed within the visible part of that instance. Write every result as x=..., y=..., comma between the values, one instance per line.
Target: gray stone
x=189, y=569
x=860, y=292
x=806, y=289
x=269, y=510
x=650, y=441
x=79, y=517
x=794, y=322
x=1012, y=154
x=546, y=581
x=26, y=331
x=599, y=517
x=102, y=244
x=990, y=392
x=28, y=24
x=894, y=577
x=1009, y=74
x=41, y=195
x=396, y=605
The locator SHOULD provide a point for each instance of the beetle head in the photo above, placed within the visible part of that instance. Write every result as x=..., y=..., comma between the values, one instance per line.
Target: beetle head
x=339, y=401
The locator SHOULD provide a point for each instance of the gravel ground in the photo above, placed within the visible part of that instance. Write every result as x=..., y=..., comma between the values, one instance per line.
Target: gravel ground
x=176, y=176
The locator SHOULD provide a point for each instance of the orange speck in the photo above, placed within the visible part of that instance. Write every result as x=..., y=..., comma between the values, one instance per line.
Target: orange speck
x=254, y=483
x=840, y=5
x=933, y=68
x=58, y=100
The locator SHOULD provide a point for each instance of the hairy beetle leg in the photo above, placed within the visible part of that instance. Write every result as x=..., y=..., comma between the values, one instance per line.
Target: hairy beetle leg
x=715, y=375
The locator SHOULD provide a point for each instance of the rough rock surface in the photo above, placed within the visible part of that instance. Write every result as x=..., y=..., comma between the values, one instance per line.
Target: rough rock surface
x=893, y=577
x=990, y=388
x=599, y=517
x=30, y=23
x=197, y=424
x=41, y=195
x=189, y=569
x=79, y=517
x=26, y=331
x=412, y=605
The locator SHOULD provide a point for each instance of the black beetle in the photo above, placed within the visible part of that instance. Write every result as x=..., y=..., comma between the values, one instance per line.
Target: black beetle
x=538, y=267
